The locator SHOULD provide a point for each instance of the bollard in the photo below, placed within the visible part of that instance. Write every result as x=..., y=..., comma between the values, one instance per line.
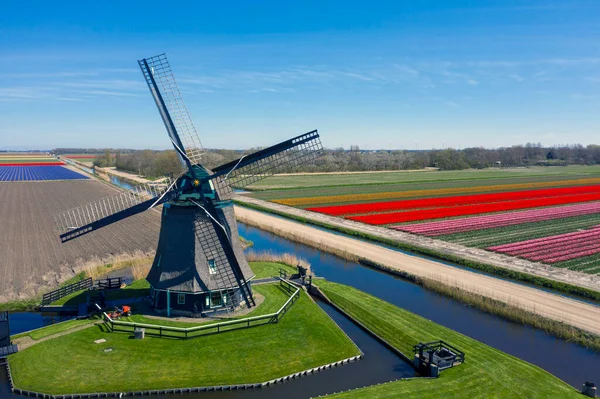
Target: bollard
x=589, y=389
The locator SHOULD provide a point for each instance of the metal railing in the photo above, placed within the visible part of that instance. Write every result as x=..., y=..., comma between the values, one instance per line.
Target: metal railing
x=55, y=295
x=193, y=332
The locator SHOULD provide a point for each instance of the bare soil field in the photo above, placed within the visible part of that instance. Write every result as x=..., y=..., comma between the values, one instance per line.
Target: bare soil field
x=32, y=258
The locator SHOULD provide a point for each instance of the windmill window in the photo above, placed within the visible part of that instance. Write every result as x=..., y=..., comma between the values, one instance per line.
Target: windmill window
x=212, y=267
x=216, y=300
x=181, y=299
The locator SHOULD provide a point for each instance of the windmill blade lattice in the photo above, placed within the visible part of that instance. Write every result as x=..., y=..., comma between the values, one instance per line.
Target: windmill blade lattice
x=298, y=151
x=159, y=76
x=92, y=212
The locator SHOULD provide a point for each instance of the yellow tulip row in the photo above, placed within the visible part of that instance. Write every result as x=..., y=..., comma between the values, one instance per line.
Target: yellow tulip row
x=429, y=193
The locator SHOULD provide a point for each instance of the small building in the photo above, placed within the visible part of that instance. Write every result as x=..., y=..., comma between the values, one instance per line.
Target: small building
x=433, y=357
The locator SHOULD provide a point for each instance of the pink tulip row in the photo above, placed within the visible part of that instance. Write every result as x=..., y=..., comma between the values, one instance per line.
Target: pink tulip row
x=499, y=220
x=557, y=248
x=543, y=252
x=517, y=248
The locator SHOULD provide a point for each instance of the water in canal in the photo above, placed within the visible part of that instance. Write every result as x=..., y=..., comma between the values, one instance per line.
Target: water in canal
x=570, y=362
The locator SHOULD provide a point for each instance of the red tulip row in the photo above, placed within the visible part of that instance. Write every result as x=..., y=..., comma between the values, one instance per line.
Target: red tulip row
x=438, y=213
x=439, y=202
x=499, y=220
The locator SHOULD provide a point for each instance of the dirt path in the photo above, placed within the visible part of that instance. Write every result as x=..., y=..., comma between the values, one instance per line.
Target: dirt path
x=25, y=342
x=130, y=176
x=590, y=281
x=579, y=314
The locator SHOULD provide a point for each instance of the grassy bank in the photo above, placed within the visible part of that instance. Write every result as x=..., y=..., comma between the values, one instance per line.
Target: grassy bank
x=32, y=304
x=487, y=372
x=556, y=286
x=270, y=269
x=498, y=308
x=305, y=338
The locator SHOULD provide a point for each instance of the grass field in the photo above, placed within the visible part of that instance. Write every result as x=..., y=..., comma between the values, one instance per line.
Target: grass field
x=522, y=204
x=270, y=269
x=304, y=338
x=486, y=372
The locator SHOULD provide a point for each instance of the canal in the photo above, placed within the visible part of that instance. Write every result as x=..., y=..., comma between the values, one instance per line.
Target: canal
x=568, y=361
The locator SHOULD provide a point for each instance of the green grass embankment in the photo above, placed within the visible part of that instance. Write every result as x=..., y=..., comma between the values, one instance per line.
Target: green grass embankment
x=270, y=269
x=486, y=372
x=556, y=286
x=304, y=338
x=499, y=308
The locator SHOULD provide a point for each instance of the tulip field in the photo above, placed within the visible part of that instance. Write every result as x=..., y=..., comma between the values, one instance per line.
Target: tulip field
x=34, y=167
x=547, y=215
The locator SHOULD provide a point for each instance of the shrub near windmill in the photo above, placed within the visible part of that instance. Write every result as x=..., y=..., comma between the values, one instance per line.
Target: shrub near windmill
x=199, y=264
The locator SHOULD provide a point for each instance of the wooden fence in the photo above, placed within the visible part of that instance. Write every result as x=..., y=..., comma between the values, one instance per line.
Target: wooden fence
x=197, y=331
x=66, y=290
x=108, y=283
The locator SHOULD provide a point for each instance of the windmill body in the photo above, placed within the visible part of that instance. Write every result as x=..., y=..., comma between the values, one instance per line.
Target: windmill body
x=199, y=266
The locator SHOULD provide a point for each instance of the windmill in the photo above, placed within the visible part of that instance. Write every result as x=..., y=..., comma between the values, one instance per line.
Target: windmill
x=199, y=264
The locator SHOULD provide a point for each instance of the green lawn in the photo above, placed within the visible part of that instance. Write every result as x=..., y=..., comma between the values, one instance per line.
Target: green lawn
x=270, y=269
x=487, y=372
x=305, y=338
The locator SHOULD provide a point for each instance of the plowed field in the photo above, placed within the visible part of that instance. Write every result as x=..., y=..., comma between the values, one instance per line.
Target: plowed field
x=31, y=254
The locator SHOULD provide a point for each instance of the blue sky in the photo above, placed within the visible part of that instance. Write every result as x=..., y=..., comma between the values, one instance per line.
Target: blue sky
x=378, y=74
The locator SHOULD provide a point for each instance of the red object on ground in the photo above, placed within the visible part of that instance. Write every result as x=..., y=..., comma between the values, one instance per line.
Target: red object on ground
x=33, y=164
x=439, y=202
x=438, y=213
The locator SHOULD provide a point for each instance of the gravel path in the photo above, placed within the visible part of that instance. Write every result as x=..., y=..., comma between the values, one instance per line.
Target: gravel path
x=25, y=342
x=573, y=312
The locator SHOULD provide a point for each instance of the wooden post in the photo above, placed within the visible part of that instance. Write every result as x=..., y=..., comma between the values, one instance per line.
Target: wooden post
x=168, y=303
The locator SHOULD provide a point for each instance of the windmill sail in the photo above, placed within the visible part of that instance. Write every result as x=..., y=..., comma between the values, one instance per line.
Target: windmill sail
x=297, y=151
x=199, y=264
x=166, y=94
x=77, y=221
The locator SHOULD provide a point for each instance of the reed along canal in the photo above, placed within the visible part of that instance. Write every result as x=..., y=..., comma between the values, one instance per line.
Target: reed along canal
x=568, y=361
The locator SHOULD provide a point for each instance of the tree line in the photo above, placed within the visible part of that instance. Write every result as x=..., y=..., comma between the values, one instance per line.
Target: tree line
x=159, y=163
